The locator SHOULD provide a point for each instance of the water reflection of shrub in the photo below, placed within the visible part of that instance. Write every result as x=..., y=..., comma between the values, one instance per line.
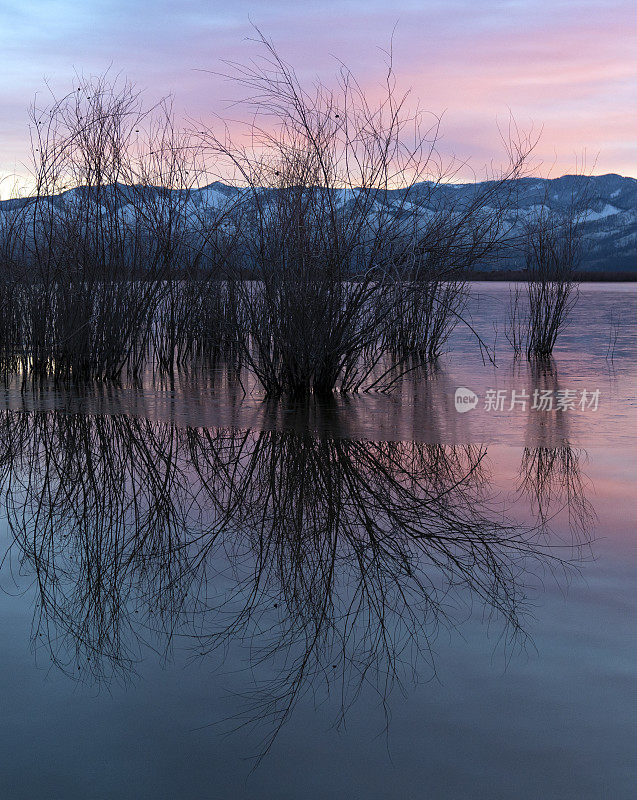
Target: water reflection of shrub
x=329, y=559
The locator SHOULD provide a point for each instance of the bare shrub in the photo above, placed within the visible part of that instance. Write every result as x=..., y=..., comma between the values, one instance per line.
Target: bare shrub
x=108, y=234
x=332, y=227
x=553, y=250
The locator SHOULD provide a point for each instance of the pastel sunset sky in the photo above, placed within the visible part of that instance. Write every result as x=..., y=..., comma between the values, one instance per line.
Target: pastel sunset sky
x=566, y=67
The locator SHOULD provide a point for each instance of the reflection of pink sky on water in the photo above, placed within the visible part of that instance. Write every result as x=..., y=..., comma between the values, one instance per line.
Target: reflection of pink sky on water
x=609, y=480
x=423, y=406
x=554, y=718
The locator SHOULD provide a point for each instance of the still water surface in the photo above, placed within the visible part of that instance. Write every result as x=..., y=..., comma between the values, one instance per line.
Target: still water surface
x=206, y=596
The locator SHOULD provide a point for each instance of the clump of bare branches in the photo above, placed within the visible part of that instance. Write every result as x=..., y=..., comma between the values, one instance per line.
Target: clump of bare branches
x=452, y=238
x=514, y=330
x=429, y=299
x=83, y=302
x=553, y=251
x=336, y=259
x=108, y=235
x=194, y=317
x=348, y=262
x=13, y=234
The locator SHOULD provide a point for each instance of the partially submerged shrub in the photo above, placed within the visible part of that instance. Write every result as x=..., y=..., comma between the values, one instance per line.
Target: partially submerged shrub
x=336, y=259
x=105, y=232
x=334, y=230
x=553, y=250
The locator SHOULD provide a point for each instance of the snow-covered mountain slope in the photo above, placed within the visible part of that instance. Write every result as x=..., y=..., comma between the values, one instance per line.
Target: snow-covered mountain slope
x=608, y=209
x=607, y=205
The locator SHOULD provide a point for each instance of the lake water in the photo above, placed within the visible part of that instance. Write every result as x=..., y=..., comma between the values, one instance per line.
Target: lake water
x=208, y=596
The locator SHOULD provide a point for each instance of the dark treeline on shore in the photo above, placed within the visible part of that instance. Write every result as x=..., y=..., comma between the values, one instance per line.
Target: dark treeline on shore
x=304, y=274
x=579, y=276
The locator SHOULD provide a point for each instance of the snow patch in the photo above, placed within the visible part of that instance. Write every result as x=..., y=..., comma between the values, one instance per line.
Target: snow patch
x=607, y=211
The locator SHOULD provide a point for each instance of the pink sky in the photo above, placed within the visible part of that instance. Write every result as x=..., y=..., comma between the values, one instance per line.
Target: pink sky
x=568, y=68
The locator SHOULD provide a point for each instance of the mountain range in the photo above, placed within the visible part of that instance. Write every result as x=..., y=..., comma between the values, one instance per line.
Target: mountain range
x=607, y=207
